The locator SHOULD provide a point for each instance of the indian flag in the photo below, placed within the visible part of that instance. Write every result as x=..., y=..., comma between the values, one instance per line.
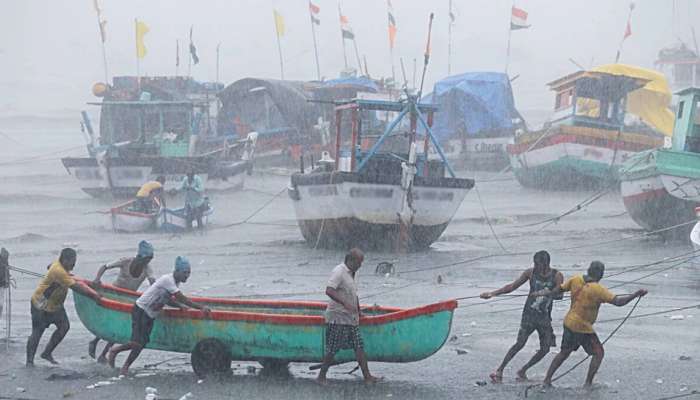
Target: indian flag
x=518, y=19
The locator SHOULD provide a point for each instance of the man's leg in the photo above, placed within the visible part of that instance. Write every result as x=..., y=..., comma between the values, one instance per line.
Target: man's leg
x=362, y=360
x=114, y=351
x=523, y=335
x=102, y=359
x=133, y=355
x=556, y=363
x=92, y=347
x=547, y=340
x=62, y=328
x=597, y=354
x=33, y=342
x=327, y=361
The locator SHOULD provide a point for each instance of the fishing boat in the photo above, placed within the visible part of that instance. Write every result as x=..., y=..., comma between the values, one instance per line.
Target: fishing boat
x=158, y=126
x=129, y=218
x=602, y=117
x=382, y=190
x=477, y=119
x=273, y=333
x=681, y=64
x=291, y=118
x=661, y=188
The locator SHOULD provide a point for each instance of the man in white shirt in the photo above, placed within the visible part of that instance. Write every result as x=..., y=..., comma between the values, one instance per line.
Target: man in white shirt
x=343, y=315
x=132, y=272
x=148, y=307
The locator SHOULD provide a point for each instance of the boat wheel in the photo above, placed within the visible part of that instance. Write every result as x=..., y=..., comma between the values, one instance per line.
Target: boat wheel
x=274, y=366
x=210, y=357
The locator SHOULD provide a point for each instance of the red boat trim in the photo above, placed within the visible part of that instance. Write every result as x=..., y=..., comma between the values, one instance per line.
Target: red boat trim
x=520, y=148
x=643, y=196
x=120, y=210
x=393, y=314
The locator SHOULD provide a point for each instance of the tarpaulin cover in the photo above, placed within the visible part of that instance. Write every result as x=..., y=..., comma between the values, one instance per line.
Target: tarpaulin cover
x=473, y=103
x=651, y=102
x=363, y=83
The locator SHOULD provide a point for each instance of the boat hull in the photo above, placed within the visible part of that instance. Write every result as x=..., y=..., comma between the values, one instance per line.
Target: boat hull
x=272, y=330
x=342, y=210
x=482, y=154
x=574, y=157
x=651, y=206
x=126, y=177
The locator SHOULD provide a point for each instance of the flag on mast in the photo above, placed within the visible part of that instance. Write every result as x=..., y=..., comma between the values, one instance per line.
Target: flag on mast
x=345, y=28
x=141, y=31
x=392, y=24
x=314, y=10
x=518, y=19
x=279, y=23
x=193, y=49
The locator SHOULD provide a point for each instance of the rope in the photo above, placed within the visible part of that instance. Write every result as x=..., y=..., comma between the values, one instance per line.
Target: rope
x=488, y=220
x=588, y=356
x=678, y=396
x=248, y=218
x=39, y=157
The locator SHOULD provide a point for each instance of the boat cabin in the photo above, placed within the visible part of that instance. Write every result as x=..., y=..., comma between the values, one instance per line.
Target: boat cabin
x=686, y=130
x=592, y=99
x=380, y=137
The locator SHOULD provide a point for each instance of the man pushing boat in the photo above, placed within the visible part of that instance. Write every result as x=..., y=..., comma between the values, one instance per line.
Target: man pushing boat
x=343, y=315
x=148, y=307
x=47, y=305
x=132, y=272
x=537, y=313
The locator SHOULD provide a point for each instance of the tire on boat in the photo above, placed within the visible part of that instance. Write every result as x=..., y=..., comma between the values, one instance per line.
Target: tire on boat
x=273, y=365
x=210, y=357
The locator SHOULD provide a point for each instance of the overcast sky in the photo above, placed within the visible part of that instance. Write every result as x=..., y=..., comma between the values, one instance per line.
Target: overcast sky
x=50, y=49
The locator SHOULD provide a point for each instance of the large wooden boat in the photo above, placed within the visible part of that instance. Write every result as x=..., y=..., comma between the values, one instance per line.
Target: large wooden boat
x=158, y=126
x=271, y=332
x=379, y=192
x=661, y=188
x=588, y=139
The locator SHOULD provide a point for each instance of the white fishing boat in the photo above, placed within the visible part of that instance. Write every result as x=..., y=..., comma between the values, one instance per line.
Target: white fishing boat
x=128, y=218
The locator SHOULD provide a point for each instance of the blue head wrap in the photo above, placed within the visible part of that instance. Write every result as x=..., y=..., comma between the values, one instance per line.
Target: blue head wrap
x=182, y=264
x=145, y=249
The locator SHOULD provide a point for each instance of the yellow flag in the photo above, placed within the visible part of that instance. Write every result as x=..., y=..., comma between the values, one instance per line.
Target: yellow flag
x=141, y=31
x=279, y=23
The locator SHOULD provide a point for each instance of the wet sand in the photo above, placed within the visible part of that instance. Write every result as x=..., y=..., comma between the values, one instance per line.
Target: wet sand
x=42, y=210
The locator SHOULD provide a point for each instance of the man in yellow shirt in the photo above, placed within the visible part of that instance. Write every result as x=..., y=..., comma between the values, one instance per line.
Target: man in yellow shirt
x=149, y=193
x=47, y=305
x=587, y=294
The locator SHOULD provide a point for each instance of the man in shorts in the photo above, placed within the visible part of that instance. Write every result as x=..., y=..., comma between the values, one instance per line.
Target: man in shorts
x=343, y=316
x=587, y=294
x=46, y=305
x=148, y=307
x=537, y=313
x=132, y=272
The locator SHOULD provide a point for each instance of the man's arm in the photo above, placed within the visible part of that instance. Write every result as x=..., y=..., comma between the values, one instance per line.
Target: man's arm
x=333, y=294
x=85, y=291
x=622, y=300
x=558, y=281
x=103, y=269
x=524, y=277
x=182, y=299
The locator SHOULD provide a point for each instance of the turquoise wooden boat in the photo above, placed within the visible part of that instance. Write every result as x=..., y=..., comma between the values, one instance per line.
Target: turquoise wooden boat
x=271, y=332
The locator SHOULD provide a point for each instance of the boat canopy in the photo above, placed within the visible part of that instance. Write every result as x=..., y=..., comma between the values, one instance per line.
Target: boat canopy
x=473, y=103
x=652, y=102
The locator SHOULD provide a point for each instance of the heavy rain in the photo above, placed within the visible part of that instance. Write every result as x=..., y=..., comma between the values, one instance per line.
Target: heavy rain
x=334, y=199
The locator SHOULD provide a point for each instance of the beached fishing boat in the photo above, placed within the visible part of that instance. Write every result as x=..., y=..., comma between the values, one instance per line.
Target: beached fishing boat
x=602, y=117
x=271, y=332
x=661, y=188
x=380, y=191
x=158, y=126
x=129, y=218
x=477, y=119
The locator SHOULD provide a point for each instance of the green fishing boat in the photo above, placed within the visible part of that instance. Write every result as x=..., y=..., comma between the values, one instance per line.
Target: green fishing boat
x=273, y=333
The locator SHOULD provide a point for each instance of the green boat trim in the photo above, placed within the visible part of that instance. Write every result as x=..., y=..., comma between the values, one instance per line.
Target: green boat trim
x=284, y=331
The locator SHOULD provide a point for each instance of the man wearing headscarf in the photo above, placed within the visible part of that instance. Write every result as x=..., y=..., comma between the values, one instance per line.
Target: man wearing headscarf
x=148, y=307
x=132, y=272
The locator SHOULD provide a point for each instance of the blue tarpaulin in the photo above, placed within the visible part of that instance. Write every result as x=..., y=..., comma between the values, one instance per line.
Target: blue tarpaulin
x=475, y=103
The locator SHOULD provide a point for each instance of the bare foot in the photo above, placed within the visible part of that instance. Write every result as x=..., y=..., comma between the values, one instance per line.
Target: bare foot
x=496, y=377
x=372, y=379
x=92, y=347
x=30, y=364
x=102, y=359
x=547, y=384
x=110, y=358
x=322, y=381
x=520, y=376
x=124, y=371
x=49, y=358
